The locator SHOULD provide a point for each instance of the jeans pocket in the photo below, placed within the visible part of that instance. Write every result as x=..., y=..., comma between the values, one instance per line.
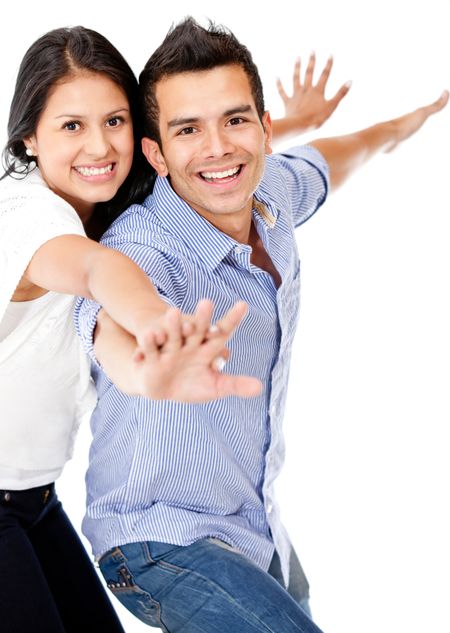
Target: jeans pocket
x=139, y=602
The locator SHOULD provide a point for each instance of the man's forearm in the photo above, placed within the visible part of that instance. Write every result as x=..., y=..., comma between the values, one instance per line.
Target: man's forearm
x=344, y=154
x=114, y=349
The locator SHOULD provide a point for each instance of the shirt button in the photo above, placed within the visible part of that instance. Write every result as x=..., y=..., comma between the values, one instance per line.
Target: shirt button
x=238, y=250
x=269, y=507
x=7, y=496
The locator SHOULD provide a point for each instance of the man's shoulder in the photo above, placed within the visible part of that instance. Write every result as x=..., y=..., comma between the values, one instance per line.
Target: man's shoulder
x=139, y=233
x=299, y=157
x=137, y=223
x=288, y=168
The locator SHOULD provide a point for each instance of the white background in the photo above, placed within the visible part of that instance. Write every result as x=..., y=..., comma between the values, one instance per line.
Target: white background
x=366, y=484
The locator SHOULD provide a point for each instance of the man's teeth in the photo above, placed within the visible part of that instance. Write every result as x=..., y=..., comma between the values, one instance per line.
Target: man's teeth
x=94, y=171
x=220, y=174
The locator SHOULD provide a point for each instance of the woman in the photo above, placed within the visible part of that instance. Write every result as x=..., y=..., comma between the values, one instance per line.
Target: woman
x=69, y=168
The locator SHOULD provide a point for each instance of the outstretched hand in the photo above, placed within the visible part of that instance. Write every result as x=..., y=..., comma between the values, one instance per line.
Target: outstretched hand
x=307, y=108
x=405, y=126
x=183, y=361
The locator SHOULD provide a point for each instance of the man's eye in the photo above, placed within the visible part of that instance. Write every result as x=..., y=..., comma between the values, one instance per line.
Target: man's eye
x=236, y=120
x=186, y=130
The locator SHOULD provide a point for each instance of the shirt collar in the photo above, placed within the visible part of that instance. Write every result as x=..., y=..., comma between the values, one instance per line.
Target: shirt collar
x=262, y=210
x=182, y=221
x=264, y=194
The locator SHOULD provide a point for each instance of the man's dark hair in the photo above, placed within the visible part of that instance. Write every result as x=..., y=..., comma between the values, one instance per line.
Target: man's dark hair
x=189, y=47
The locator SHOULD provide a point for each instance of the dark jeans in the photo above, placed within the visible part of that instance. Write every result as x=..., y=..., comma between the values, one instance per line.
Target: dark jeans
x=47, y=581
x=200, y=588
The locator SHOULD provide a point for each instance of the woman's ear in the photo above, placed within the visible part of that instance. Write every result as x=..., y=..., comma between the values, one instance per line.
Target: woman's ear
x=153, y=154
x=31, y=145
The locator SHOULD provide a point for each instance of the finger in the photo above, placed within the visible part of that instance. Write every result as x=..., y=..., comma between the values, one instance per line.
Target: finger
x=310, y=71
x=213, y=331
x=220, y=357
x=187, y=328
x=154, y=334
x=229, y=322
x=214, y=347
x=296, y=78
x=203, y=314
x=281, y=91
x=160, y=337
x=201, y=322
x=324, y=75
x=440, y=103
x=242, y=386
x=174, y=333
x=148, y=349
x=340, y=94
x=218, y=363
x=138, y=356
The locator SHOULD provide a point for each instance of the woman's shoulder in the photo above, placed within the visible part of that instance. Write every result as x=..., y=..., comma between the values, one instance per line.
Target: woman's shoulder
x=24, y=185
x=29, y=195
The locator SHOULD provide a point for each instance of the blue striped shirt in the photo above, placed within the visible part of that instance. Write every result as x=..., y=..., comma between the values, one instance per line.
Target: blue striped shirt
x=174, y=472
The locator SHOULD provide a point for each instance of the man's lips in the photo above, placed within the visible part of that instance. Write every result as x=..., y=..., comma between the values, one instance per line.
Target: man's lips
x=221, y=176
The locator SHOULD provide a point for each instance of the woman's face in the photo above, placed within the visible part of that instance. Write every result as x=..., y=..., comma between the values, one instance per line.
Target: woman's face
x=84, y=140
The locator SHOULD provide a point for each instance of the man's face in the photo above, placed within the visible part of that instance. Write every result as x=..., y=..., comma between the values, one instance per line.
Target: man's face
x=212, y=142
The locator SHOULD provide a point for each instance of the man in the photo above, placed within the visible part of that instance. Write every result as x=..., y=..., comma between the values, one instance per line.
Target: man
x=180, y=496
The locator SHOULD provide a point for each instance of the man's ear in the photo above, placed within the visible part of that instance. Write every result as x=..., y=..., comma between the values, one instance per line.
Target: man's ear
x=154, y=156
x=267, y=125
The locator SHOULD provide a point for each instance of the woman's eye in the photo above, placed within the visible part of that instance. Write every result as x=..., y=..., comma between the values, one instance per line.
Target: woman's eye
x=114, y=121
x=72, y=126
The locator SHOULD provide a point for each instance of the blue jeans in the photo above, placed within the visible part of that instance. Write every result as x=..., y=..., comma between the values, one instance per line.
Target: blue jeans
x=298, y=586
x=202, y=588
x=47, y=581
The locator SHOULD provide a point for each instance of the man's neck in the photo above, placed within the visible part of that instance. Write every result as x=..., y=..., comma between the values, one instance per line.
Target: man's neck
x=236, y=225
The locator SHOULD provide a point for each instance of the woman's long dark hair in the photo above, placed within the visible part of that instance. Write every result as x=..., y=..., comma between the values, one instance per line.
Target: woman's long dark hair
x=61, y=53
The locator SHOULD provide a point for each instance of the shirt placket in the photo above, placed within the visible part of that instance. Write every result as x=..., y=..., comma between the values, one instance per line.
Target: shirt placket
x=287, y=304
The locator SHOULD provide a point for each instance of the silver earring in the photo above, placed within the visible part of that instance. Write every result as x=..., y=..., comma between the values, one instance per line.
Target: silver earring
x=29, y=152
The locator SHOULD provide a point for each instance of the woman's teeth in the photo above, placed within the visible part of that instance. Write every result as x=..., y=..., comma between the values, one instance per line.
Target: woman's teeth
x=94, y=171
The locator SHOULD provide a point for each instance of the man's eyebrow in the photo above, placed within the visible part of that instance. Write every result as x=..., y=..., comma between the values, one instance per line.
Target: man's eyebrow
x=241, y=109
x=190, y=120
x=183, y=121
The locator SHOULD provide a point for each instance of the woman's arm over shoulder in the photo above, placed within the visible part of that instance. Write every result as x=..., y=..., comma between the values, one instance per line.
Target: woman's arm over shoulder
x=73, y=264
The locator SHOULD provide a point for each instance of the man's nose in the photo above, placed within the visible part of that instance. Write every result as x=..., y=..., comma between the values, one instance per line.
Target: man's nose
x=217, y=143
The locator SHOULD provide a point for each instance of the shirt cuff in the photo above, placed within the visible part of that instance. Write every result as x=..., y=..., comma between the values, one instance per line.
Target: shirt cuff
x=85, y=317
x=312, y=156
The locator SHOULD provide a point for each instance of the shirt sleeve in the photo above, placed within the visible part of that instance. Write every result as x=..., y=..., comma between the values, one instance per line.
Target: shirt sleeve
x=30, y=215
x=161, y=267
x=298, y=180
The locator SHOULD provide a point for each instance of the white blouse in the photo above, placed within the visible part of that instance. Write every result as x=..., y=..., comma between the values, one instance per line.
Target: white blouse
x=45, y=386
